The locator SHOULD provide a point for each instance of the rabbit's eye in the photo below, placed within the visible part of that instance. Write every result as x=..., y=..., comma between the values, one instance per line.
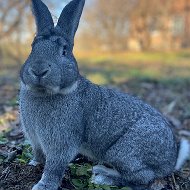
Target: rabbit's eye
x=64, y=51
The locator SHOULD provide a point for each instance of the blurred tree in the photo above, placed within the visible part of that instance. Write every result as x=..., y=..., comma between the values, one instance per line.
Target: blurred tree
x=110, y=25
x=148, y=17
x=12, y=13
x=12, y=16
x=186, y=36
x=106, y=23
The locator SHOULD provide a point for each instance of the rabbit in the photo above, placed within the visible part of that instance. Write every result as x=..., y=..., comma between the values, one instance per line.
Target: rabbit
x=64, y=114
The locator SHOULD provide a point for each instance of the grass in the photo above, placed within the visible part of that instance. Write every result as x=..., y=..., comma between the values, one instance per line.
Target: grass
x=120, y=67
x=170, y=57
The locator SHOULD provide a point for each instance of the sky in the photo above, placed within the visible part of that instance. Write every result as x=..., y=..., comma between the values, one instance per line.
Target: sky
x=58, y=6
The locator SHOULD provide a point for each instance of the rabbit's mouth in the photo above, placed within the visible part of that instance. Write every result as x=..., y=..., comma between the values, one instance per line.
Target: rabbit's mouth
x=39, y=88
x=53, y=90
x=42, y=89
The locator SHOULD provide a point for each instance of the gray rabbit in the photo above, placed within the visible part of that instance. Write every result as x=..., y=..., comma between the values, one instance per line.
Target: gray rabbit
x=63, y=114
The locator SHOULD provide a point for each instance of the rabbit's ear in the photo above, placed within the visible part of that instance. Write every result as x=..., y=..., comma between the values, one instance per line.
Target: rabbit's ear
x=42, y=16
x=69, y=19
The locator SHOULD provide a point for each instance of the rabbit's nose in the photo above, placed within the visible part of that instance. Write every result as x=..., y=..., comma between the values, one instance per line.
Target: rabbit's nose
x=39, y=73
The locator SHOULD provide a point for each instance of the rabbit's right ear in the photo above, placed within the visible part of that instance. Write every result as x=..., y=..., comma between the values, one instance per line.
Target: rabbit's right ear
x=42, y=16
x=69, y=20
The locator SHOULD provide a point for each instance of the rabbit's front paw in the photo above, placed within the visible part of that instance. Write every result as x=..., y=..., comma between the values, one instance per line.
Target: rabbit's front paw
x=42, y=186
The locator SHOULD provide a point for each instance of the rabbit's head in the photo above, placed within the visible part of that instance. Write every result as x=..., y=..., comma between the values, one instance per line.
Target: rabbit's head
x=51, y=66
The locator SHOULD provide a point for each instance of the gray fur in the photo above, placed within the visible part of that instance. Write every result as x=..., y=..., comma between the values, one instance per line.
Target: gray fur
x=106, y=125
x=42, y=15
x=72, y=10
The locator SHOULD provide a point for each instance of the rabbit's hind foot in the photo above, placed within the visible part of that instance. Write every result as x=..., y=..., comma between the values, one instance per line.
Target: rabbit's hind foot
x=33, y=163
x=105, y=176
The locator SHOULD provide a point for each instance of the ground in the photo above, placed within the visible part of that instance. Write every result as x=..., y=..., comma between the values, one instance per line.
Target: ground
x=160, y=83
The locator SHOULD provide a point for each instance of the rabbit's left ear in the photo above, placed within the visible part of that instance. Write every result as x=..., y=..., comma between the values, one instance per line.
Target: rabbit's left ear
x=69, y=19
x=42, y=16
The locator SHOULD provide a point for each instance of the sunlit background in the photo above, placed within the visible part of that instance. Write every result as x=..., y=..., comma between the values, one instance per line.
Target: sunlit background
x=137, y=46
x=140, y=47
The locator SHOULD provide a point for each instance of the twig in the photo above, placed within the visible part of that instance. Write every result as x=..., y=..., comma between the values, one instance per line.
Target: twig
x=5, y=173
x=174, y=182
